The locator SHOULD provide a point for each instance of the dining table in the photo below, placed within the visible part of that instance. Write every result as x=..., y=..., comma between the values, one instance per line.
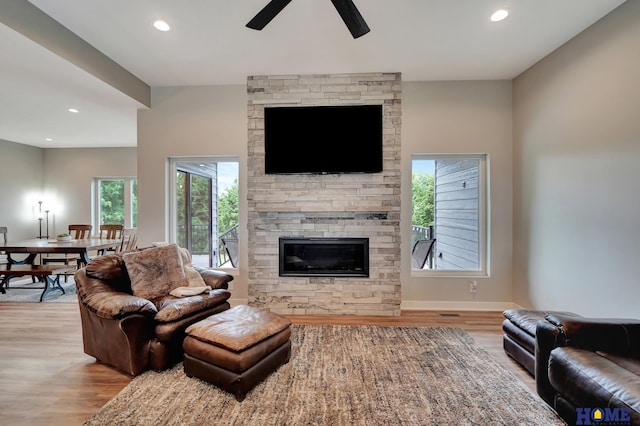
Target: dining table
x=37, y=246
x=33, y=247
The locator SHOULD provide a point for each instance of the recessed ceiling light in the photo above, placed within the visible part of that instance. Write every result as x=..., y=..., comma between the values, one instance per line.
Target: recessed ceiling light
x=161, y=25
x=499, y=15
x=73, y=110
x=48, y=139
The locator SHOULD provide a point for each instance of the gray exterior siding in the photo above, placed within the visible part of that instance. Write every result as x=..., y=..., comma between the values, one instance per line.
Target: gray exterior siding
x=456, y=215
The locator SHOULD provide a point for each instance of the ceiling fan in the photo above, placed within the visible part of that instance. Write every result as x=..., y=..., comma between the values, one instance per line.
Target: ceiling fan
x=347, y=10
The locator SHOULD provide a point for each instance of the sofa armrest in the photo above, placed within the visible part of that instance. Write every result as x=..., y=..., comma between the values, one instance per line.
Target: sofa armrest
x=115, y=305
x=214, y=279
x=548, y=337
x=615, y=335
x=619, y=336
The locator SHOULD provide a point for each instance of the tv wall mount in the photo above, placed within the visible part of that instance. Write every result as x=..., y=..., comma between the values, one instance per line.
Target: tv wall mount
x=347, y=10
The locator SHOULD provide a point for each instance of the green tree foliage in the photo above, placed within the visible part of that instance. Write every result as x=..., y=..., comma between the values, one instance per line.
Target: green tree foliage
x=422, y=197
x=134, y=202
x=112, y=201
x=228, y=208
x=180, y=208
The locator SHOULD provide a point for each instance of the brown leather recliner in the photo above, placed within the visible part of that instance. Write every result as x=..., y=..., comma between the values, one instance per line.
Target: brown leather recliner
x=134, y=334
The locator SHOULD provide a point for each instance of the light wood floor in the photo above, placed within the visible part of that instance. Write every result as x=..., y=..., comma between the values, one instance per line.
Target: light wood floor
x=46, y=379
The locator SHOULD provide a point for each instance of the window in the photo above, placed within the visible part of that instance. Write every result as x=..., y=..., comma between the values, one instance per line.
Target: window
x=116, y=201
x=204, y=211
x=449, y=214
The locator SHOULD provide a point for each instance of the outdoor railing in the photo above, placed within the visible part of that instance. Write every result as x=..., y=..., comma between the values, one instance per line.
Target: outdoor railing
x=421, y=233
x=200, y=235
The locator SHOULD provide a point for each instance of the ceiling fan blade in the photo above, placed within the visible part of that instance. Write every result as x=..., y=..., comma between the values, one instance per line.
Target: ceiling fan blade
x=267, y=14
x=351, y=17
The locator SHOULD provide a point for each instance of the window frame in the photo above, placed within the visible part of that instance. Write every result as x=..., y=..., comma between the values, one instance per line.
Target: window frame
x=483, y=217
x=171, y=170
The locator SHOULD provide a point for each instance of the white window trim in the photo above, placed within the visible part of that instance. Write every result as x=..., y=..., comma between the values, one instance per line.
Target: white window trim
x=484, y=208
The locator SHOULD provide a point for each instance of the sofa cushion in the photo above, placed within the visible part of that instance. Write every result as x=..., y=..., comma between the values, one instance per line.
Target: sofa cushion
x=174, y=308
x=592, y=379
x=156, y=271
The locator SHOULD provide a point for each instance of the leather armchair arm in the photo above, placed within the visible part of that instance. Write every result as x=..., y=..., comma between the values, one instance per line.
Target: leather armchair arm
x=100, y=298
x=116, y=305
x=213, y=278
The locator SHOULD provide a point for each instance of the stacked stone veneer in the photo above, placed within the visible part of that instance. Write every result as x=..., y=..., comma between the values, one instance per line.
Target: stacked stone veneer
x=345, y=205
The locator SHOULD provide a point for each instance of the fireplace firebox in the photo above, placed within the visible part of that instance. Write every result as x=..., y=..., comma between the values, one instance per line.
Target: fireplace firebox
x=329, y=257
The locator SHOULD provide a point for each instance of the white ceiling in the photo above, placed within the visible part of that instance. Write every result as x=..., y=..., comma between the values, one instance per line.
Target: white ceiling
x=209, y=45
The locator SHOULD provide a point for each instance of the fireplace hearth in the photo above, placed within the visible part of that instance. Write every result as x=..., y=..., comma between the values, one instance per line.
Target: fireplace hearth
x=328, y=257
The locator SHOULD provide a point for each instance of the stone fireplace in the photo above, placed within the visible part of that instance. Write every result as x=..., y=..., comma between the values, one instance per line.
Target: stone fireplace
x=334, y=206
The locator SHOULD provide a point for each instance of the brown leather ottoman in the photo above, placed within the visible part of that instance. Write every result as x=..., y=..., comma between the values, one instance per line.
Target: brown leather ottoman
x=237, y=349
x=519, y=340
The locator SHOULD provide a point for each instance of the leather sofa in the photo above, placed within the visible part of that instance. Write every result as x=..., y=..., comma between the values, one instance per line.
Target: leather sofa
x=588, y=363
x=133, y=333
x=519, y=339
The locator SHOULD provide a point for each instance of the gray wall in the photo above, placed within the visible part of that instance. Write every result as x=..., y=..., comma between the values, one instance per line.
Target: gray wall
x=20, y=189
x=577, y=171
x=68, y=174
x=449, y=118
x=61, y=178
x=190, y=121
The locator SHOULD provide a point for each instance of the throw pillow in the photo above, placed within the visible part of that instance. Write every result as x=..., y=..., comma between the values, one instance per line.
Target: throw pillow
x=189, y=291
x=156, y=271
x=193, y=276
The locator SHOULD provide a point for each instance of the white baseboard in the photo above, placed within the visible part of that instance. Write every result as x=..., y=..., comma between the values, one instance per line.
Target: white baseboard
x=420, y=305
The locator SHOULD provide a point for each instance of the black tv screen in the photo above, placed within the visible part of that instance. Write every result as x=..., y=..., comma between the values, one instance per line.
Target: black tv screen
x=323, y=139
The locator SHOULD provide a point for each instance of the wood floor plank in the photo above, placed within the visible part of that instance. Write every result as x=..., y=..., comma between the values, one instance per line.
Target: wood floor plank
x=45, y=377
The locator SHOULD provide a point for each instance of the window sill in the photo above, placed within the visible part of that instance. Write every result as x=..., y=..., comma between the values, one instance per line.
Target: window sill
x=447, y=274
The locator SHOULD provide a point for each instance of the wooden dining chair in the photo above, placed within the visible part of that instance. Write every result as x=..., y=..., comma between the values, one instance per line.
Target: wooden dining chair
x=77, y=232
x=113, y=231
x=129, y=240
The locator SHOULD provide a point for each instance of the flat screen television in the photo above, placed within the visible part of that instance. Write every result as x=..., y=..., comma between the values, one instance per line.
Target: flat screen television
x=323, y=139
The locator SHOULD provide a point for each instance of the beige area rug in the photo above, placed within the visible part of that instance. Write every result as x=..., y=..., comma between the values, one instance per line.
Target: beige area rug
x=347, y=375
x=25, y=290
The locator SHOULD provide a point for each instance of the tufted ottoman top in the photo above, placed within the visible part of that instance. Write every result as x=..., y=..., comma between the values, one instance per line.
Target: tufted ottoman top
x=238, y=328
